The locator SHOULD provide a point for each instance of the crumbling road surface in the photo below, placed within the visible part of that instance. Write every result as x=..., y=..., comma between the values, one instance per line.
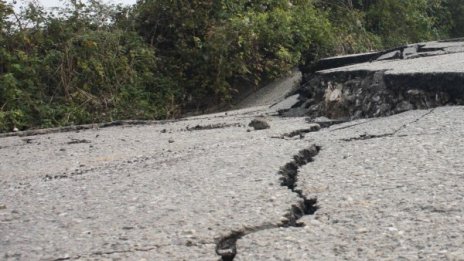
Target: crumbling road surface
x=417, y=76
x=213, y=188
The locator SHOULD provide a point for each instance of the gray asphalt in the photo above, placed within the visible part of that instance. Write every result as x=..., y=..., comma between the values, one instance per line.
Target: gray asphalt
x=446, y=63
x=159, y=192
x=448, y=59
x=389, y=188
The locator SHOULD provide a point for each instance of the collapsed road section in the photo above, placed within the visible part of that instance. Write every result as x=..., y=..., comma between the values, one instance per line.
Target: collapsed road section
x=418, y=76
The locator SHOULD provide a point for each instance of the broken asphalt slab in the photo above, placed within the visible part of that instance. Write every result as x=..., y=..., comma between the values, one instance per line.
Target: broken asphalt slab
x=418, y=76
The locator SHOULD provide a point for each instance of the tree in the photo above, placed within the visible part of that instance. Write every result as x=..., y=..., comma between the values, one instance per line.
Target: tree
x=455, y=19
x=211, y=46
x=77, y=68
x=400, y=21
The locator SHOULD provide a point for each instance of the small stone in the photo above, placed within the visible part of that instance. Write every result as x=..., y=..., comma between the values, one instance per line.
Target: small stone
x=128, y=227
x=404, y=106
x=392, y=229
x=259, y=124
x=415, y=92
x=335, y=96
x=362, y=230
x=171, y=141
x=2, y=206
x=226, y=252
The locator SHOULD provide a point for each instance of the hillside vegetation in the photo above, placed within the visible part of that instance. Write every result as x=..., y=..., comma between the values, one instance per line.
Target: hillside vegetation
x=91, y=62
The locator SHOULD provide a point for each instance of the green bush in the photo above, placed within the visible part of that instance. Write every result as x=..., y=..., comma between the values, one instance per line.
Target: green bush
x=70, y=70
x=95, y=62
x=400, y=21
x=210, y=46
x=349, y=27
x=374, y=24
x=449, y=15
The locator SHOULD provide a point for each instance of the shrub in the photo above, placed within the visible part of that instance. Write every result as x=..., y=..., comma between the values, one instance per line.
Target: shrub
x=72, y=70
x=210, y=46
x=94, y=62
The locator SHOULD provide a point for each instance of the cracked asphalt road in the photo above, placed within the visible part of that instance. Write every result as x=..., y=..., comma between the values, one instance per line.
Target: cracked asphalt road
x=171, y=192
x=156, y=192
x=398, y=195
x=212, y=188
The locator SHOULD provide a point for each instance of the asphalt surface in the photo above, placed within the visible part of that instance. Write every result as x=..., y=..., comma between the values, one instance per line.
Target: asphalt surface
x=389, y=188
x=426, y=58
x=446, y=63
x=160, y=192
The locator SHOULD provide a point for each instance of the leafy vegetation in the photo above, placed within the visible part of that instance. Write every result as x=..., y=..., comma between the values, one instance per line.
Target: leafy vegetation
x=74, y=69
x=90, y=62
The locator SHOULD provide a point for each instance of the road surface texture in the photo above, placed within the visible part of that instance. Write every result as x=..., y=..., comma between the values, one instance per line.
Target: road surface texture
x=387, y=189
x=212, y=187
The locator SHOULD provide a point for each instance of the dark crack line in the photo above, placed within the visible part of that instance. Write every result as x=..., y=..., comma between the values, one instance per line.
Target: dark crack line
x=103, y=253
x=226, y=247
x=354, y=125
x=213, y=126
x=300, y=132
x=111, y=165
x=148, y=249
x=78, y=141
x=369, y=137
x=389, y=134
x=133, y=250
x=77, y=128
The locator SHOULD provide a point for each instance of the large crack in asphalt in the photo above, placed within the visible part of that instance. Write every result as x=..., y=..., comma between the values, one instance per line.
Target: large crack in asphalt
x=226, y=247
x=199, y=127
x=302, y=132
